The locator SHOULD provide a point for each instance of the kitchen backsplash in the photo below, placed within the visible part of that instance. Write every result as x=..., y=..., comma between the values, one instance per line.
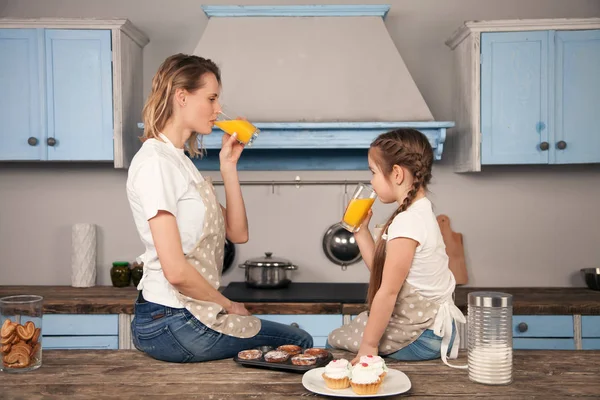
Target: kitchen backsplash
x=528, y=226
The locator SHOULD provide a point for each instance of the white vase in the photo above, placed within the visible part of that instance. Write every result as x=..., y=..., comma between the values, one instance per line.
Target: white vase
x=83, y=255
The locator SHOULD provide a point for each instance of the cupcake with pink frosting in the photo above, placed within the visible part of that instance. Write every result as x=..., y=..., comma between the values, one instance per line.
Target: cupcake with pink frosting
x=337, y=374
x=364, y=379
x=375, y=363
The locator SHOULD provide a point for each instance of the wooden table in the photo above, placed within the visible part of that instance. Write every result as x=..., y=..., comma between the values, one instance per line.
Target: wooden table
x=112, y=374
x=111, y=300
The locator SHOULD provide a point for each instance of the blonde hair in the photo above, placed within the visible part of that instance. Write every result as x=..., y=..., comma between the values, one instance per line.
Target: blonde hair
x=410, y=149
x=180, y=71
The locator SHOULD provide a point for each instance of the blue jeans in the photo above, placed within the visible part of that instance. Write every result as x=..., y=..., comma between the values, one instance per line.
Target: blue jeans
x=426, y=347
x=175, y=335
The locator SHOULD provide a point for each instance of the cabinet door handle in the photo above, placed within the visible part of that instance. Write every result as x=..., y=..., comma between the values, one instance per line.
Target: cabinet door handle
x=32, y=141
x=544, y=146
x=51, y=141
x=561, y=145
x=522, y=327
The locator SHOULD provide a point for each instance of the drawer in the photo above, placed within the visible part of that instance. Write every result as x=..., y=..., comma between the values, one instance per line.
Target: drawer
x=590, y=326
x=590, y=344
x=543, y=326
x=80, y=324
x=315, y=324
x=543, y=344
x=80, y=342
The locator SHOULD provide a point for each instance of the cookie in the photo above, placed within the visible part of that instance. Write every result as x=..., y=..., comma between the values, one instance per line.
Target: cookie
x=304, y=359
x=250, y=354
x=319, y=353
x=291, y=349
x=276, y=356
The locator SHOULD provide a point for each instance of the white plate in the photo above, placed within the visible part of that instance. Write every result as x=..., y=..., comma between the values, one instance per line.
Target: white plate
x=395, y=382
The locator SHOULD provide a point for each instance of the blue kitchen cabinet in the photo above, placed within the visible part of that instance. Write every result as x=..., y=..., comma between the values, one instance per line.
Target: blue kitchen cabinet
x=577, y=123
x=20, y=96
x=79, y=94
x=540, y=332
x=318, y=325
x=540, y=97
x=56, y=94
x=543, y=332
x=80, y=331
x=590, y=332
x=514, y=97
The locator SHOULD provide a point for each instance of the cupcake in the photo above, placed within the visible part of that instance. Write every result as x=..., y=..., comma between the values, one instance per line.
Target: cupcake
x=376, y=363
x=337, y=374
x=364, y=379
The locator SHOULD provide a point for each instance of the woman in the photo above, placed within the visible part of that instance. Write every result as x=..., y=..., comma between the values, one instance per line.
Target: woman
x=180, y=315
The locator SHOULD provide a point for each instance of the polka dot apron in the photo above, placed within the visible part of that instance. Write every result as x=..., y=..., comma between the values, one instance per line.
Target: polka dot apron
x=207, y=258
x=412, y=314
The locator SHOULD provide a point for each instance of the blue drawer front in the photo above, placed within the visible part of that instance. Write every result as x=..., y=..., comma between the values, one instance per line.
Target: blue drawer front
x=80, y=324
x=544, y=326
x=316, y=325
x=590, y=344
x=590, y=326
x=80, y=342
x=543, y=344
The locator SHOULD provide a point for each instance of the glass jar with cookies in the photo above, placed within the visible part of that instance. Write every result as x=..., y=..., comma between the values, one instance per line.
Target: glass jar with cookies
x=21, y=333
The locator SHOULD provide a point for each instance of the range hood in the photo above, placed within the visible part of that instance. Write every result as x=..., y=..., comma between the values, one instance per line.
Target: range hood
x=322, y=78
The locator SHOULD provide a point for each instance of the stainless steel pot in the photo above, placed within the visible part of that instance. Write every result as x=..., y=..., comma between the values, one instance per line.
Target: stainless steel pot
x=268, y=272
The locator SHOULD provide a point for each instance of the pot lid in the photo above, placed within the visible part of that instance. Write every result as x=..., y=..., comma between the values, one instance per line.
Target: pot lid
x=268, y=261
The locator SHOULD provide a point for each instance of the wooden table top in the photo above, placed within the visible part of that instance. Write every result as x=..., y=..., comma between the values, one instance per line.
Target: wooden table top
x=130, y=374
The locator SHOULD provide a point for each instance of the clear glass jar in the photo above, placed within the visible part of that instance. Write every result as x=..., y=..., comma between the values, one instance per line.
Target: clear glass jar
x=21, y=333
x=490, y=338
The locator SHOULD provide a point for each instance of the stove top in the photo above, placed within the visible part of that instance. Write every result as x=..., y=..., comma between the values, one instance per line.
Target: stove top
x=299, y=292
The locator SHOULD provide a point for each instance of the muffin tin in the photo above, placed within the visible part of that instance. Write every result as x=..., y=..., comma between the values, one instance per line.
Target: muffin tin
x=281, y=366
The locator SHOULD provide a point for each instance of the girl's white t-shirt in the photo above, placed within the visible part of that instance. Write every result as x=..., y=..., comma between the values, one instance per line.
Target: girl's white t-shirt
x=429, y=272
x=161, y=177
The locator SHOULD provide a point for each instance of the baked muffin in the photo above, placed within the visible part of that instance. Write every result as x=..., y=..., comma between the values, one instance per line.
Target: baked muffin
x=276, y=356
x=376, y=363
x=291, y=349
x=337, y=374
x=364, y=379
x=250, y=354
x=304, y=359
x=319, y=353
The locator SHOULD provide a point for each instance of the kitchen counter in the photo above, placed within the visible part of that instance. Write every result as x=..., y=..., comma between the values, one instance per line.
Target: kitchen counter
x=129, y=374
x=111, y=300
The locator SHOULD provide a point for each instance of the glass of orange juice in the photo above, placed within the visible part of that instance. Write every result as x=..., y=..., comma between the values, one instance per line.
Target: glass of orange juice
x=363, y=198
x=246, y=132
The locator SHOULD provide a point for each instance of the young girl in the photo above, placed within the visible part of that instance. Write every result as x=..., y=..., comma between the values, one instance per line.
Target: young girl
x=411, y=311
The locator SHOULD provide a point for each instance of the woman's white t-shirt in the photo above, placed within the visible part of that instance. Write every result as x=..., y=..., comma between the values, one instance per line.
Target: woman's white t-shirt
x=429, y=272
x=161, y=177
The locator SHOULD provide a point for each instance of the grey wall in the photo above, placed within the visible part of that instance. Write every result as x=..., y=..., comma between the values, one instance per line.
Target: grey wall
x=522, y=226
